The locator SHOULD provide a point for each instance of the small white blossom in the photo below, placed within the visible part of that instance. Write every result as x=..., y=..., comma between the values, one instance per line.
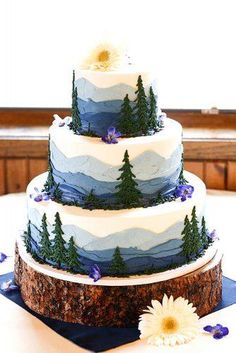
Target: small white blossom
x=59, y=121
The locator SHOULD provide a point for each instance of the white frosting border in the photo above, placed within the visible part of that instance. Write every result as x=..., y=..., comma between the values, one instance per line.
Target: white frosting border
x=157, y=218
x=210, y=253
x=163, y=143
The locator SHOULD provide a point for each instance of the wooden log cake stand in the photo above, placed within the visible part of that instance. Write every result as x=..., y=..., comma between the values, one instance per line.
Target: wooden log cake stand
x=117, y=306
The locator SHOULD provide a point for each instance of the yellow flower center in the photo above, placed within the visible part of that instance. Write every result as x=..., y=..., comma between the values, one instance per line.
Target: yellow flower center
x=169, y=325
x=104, y=56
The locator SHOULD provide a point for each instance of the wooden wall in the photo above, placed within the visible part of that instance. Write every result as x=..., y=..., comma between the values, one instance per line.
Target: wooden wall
x=210, y=149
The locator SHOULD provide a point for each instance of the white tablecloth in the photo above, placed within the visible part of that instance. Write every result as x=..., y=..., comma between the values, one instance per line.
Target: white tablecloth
x=20, y=332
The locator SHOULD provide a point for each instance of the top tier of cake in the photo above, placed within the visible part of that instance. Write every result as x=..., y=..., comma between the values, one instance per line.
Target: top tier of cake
x=101, y=95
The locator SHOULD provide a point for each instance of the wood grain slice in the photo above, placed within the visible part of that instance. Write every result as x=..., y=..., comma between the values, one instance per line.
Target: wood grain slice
x=118, y=306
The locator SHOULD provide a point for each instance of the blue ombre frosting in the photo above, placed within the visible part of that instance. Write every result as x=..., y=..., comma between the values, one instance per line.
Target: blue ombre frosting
x=141, y=249
x=79, y=175
x=100, y=107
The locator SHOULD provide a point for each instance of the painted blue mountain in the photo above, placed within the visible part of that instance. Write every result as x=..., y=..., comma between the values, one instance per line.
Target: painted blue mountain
x=138, y=239
x=159, y=257
x=146, y=166
x=100, y=107
x=87, y=90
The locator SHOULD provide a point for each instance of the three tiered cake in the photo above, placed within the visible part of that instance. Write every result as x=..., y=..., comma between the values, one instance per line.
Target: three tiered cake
x=116, y=222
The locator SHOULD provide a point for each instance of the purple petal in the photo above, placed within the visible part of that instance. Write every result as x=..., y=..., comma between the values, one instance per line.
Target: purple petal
x=46, y=197
x=113, y=140
x=208, y=328
x=225, y=331
x=95, y=273
x=117, y=134
x=111, y=130
x=218, y=335
x=38, y=198
x=2, y=257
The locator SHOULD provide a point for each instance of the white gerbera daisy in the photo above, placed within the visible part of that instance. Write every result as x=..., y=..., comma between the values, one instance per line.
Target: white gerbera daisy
x=104, y=57
x=169, y=323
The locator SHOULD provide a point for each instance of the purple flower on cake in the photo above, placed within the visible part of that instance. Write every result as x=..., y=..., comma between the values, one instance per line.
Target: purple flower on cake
x=95, y=273
x=217, y=331
x=213, y=235
x=112, y=136
x=2, y=257
x=184, y=192
x=39, y=195
x=59, y=121
x=8, y=286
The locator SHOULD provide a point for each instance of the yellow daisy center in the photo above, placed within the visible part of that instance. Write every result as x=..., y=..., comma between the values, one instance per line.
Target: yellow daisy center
x=104, y=55
x=169, y=325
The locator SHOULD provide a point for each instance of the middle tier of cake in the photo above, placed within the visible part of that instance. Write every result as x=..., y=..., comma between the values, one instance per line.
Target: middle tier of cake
x=149, y=239
x=79, y=165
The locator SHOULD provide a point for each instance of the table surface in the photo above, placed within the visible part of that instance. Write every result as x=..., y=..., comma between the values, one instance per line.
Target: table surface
x=20, y=331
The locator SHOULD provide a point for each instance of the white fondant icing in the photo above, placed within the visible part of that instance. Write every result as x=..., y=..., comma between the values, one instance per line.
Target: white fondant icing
x=163, y=143
x=112, y=78
x=211, y=252
x=101, y=223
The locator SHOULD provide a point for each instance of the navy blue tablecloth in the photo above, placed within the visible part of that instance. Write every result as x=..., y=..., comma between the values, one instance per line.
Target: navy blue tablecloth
x=99, y=339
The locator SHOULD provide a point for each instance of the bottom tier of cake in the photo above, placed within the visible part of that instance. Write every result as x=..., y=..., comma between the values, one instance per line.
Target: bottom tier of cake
x=115, y=302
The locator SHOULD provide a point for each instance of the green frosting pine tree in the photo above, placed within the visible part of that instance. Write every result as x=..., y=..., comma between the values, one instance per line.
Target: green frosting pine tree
x=57, y=194
x=152, y=122
x=187, y=239
x=160, y=199
x=72, y=258
x=58, y=248
x=45, y=250
x=118, y=265
x=128, y=195
x=141, y=108
x=127, y=123
x=75, y=124
x=204, y=234
x=196, y=236
x=182, y=180
x=28, y=238
x=91, y=201
x=50, y=183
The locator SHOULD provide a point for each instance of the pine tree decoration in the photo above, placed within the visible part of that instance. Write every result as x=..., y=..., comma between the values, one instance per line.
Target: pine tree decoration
x=204, y=234
x=45, y=249
x=187, y=239
x=58, y=248
x=72, y=258
x=50, y=183
x=28, y=238
x=57, y=193
x=196, y=236
x=118, y=265
x=75, y=124
x=128, y=195
x=141, y=109
x=91, y=201
x=182, y=180
x=160, y=199
x=152, y=122
x=127, y=124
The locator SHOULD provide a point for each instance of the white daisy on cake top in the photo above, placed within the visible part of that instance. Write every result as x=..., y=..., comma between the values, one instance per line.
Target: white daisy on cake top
x=104, y=57
x=169, y=323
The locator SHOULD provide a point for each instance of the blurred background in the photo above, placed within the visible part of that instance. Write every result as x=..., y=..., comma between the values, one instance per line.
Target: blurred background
x=190, y=45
